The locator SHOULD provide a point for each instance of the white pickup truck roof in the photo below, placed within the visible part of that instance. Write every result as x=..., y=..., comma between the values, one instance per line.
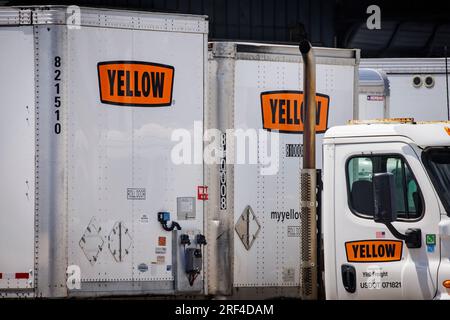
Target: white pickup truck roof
x=424, y=134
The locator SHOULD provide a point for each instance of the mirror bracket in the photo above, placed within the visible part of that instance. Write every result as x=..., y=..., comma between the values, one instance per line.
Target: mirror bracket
x=412, y=236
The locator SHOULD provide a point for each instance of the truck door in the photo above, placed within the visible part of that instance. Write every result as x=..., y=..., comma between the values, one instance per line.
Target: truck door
x=371, y=262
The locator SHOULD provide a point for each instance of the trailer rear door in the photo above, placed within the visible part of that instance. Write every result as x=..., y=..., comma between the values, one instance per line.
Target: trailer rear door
x=17, y=149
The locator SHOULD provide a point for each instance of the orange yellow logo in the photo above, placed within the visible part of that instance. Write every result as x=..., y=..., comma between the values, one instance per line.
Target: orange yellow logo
x=374, y=250
x=135, y=83
x=447, y=129
x=283, y=111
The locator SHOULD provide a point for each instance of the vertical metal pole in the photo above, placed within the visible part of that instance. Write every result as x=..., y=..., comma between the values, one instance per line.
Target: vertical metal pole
x=308, y=183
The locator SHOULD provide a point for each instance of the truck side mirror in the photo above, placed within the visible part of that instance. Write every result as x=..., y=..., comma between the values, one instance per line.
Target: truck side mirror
x=384, y=197
x=385, y=210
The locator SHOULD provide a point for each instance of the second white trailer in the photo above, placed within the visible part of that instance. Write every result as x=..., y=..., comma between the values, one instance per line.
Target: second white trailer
x=253, y=219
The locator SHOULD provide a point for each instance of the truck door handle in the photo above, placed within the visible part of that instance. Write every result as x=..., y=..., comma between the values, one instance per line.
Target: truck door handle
x=349, y=277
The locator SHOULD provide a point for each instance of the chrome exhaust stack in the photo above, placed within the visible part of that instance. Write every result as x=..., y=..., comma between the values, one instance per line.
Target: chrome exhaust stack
x=308, y=176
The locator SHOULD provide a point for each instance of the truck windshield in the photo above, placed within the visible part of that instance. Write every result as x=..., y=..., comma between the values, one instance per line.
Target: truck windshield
x=437, y=162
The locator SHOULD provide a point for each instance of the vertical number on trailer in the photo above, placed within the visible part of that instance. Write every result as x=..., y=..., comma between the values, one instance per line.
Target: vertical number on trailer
x=223, y=173
x=57, y=100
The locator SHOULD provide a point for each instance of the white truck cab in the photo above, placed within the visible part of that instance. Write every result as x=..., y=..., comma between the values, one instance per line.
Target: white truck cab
x=370, y=251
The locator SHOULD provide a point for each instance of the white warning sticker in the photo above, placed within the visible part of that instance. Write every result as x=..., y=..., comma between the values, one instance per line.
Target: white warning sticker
x=160, y=250
x=293, y=231
x=144, y=218
x=136, y=193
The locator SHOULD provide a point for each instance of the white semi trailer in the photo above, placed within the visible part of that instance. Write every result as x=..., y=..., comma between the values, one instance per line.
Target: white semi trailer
x=99, y=198
x=90, y=98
